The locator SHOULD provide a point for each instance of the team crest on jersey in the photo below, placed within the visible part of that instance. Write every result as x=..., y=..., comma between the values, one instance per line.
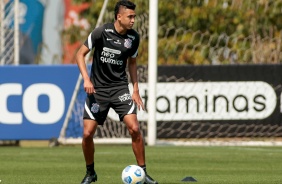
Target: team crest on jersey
x=95, y=107
x=128, y=43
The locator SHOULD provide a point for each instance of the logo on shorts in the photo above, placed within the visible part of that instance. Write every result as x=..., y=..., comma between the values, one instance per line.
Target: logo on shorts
x=124, y=97
x=95, y=107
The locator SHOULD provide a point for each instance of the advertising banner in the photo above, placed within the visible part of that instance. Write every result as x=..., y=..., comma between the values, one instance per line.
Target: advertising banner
x=34, y=100
x=200, y=101
x=215, y=101
x=242, y=100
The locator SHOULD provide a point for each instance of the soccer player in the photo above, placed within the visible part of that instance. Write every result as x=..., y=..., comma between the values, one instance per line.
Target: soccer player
x=116, y=46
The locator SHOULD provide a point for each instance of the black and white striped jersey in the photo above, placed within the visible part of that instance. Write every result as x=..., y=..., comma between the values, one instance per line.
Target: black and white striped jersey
x=110, y=55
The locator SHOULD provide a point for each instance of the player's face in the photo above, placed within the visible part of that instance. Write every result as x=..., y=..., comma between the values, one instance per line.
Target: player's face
x=126, y=17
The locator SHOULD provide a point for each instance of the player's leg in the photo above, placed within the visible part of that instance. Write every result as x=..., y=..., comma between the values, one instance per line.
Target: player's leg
x=88, y=148
x=122, y=103
x=138, y=144
x=95, y=112
x=89, y=128
x=137, y=139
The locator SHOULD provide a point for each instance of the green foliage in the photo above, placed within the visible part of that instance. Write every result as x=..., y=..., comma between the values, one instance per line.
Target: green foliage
x=206, y=31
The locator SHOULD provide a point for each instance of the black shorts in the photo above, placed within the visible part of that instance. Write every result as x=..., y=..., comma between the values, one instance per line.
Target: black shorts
x=97, y=105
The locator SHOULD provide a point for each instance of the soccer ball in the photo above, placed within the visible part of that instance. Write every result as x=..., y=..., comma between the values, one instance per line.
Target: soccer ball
x=133, y=174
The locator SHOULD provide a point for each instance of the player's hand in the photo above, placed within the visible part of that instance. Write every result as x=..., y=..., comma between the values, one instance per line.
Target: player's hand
x=138, y=101
x=88, y=87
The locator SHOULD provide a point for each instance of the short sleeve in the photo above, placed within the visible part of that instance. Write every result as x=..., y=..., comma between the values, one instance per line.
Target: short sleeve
x=135, y=45
x=93, y=37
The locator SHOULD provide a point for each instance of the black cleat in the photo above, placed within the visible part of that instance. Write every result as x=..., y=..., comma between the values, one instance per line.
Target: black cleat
x=88, y=178
x=149, y=180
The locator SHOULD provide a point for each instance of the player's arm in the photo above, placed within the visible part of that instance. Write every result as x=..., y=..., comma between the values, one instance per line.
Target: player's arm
x=132, y=68
x=80, y=59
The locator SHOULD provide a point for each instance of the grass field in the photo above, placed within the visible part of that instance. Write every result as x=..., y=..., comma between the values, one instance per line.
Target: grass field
x=168, y=164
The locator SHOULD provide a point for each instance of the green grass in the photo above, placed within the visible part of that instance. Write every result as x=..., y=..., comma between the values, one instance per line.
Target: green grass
x=167, y=164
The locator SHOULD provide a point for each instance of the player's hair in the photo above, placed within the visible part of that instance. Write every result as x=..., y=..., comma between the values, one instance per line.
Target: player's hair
x=125, y=3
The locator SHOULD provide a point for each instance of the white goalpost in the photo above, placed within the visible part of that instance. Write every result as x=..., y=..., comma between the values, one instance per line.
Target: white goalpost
x=152, y=80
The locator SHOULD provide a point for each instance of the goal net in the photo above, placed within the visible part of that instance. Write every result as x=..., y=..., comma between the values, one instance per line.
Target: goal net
x=9, y=32
x=200, y=33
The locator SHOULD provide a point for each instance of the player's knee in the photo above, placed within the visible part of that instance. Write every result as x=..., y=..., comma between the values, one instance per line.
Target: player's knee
x=135, y=131
x=87, y=135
